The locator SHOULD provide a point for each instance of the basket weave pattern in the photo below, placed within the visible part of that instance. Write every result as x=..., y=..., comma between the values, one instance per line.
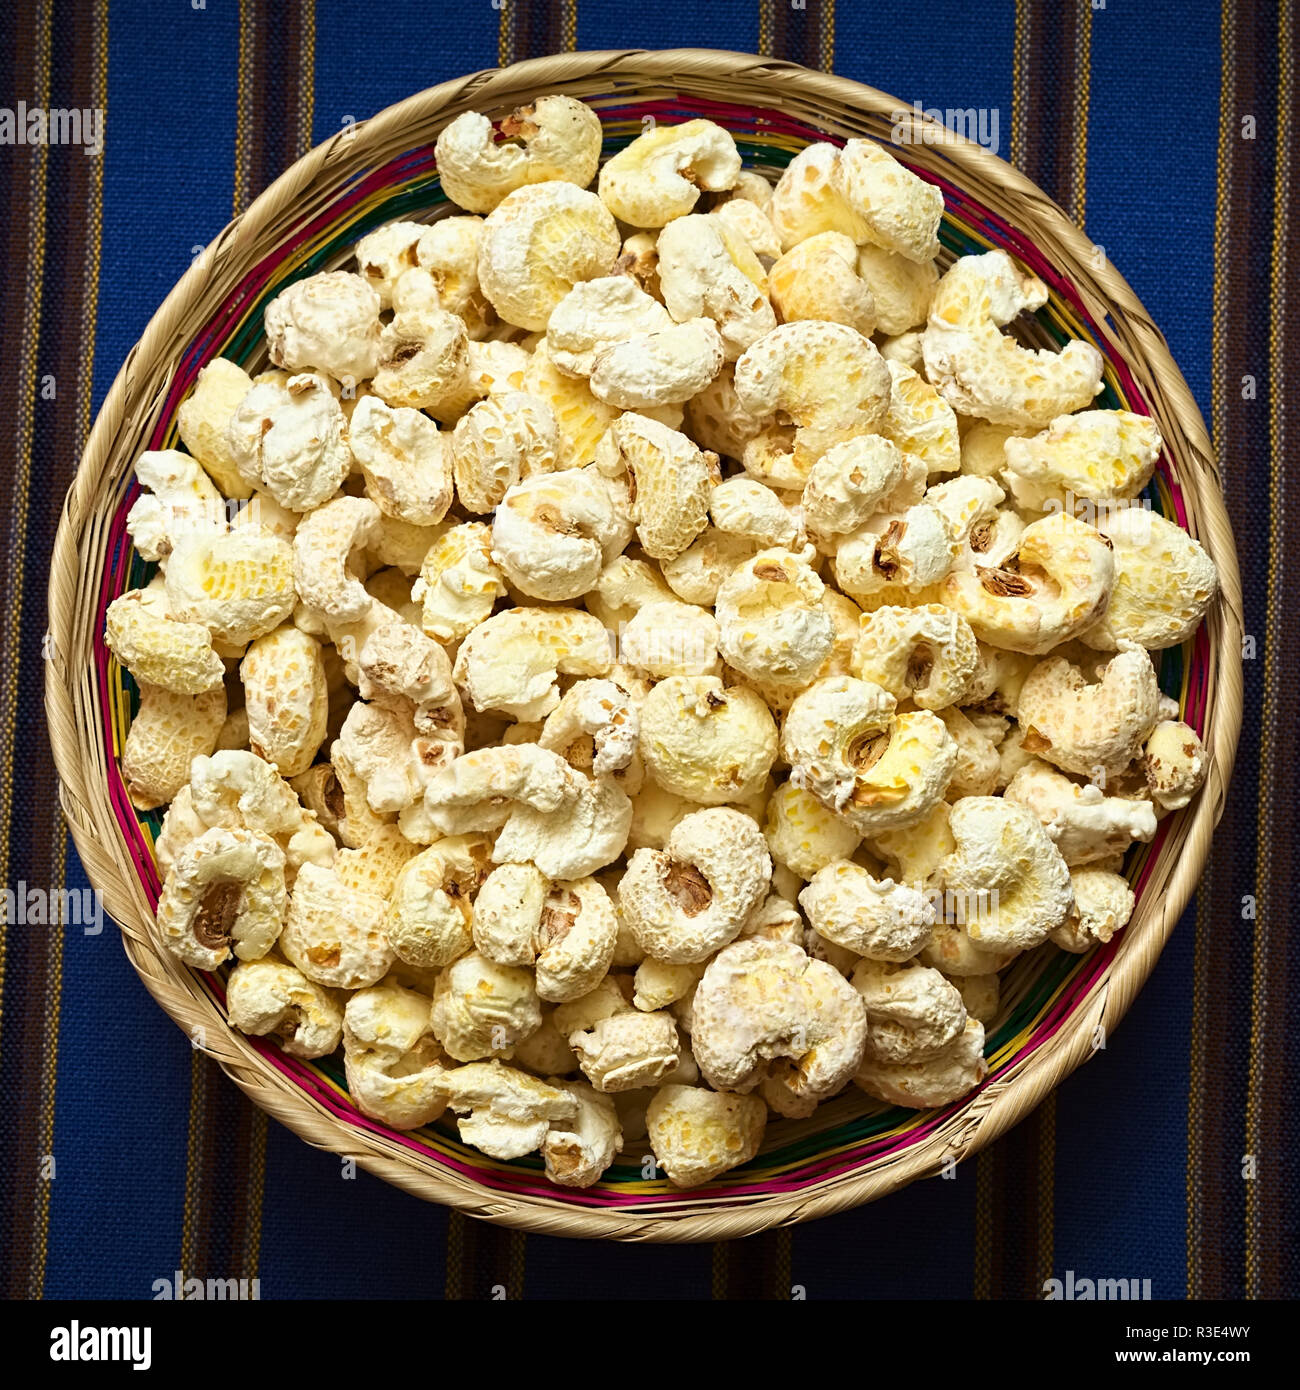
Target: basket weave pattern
x=1054, y=1007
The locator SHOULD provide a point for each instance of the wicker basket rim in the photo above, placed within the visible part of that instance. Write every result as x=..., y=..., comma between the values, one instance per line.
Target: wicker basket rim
x=71, y=705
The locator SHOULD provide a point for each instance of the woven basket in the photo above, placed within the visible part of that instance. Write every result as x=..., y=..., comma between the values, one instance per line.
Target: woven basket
x=1055, y=1006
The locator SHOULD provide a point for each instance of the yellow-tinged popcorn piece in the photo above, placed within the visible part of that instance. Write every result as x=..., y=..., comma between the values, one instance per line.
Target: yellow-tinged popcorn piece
x=803, y=834
x=705, y=742
x=1055, y=587
x=374, y=867
x=697, y=1135
x=406, y=462
x=878, y=769
x=554, y=137
x=538, y=243
x=168, y=732
x=1090, y=729
x=511, y=662
x=818, y=279
x=766, y=1014
x=937, y=1080
x=659, y=176
x=1103, y=903
x=926, y=654
x=239, y=585
x=160, y=651
x=1175, y=763
x=826, y=378
x=500, y=442
x=1085, y=824
x=286, y=697
x=224, y=894
x=335, y=934
x=459, y=582
x=396, y=1071
x=685, y=902
x=480, y=1009
x=1006, y=858
x=669, y=481
x=901, y=290
x=981, y=371
x=204, y=417
x=1096, y=454
x=920, y=421
x=577, y=1151
x=553, y=533
x=773, y=621
x=328, y=323
x=1164, y=582
x=581, y=420
x=504, y=1112
x=270, y=997
x=879, y=919
x=430, y=904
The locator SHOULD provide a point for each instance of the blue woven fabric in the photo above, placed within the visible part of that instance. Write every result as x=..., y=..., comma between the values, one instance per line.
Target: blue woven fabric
x=1098, y=1185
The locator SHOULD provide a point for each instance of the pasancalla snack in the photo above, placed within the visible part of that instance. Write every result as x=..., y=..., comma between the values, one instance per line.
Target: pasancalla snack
x=586, y=665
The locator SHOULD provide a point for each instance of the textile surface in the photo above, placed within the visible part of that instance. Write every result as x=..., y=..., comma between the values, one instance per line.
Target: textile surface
x=1165, y=128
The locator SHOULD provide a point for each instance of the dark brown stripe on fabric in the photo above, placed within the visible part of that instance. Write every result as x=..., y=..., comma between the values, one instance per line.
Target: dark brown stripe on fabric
x=1013, y=1252
x=1048, y=62
x=756, y=1268
x=1217, y=1254
x=280, y=42
x=536, y=28
x=228, y=1159
x=487, y=1262
x=803, y=33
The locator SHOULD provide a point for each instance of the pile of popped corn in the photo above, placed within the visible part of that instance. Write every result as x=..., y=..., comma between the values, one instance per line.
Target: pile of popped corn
x=585, y=668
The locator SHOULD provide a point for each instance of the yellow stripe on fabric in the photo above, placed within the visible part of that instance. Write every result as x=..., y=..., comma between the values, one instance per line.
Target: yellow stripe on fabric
x=1082, y=96
x=506, y=33
x=570, y=26
x=307, y=76
x=766, y=27
x=1203, y=956
x=827, y=56
x=22, y=466
x=1259, y=1020
x=94, y=222
x=243, y=111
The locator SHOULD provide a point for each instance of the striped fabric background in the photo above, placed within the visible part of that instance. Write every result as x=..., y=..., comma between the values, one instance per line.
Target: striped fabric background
x=1167, y=128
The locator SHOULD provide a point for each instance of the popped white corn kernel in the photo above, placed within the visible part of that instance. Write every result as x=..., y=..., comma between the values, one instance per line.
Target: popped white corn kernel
x=327, y=322
x=659, y=176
